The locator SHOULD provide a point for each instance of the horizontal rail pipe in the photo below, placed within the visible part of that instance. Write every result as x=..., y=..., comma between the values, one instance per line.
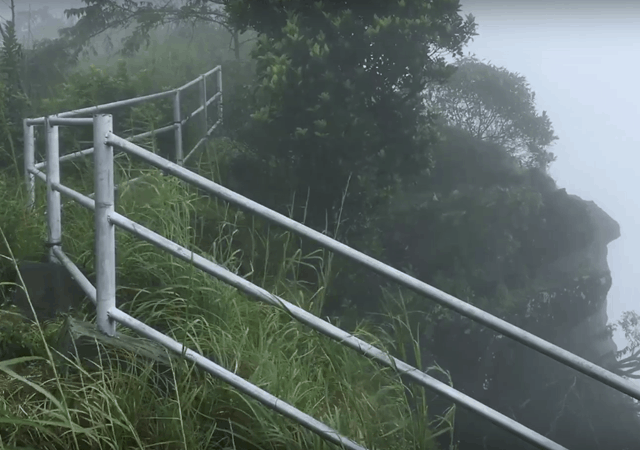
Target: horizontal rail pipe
x=35, y=121
x=214, y=70
x=214, y=98
x=194, y=149
x=333, y=332
x=234, y=380
x=75, y=155
x=128, y=102
x=152, y=132
x=317, y=324
x=70, y=121
x=38, y=173
x=79, y=198
x=66, y=119
x=124, y=184
x=89, y=151
x=214, y=126
x=131, y=182
x=56, y=186
x=189, y=84
x=69, y=157
x=200, y=108
x=194, y=113
x=105, y=107
x=472, y=312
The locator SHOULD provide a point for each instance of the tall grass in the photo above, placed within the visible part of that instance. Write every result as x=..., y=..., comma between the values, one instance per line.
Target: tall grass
x=110, y=405
x=53, y=400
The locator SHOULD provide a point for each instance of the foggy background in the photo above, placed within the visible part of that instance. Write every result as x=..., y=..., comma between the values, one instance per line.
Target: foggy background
x=56, y=7
x=581, y=59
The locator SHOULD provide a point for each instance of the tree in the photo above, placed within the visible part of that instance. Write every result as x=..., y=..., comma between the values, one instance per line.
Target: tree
x=11, y=54
x=142, y=17
x=13, y=101
x=628, y=359
x=337, y=105
x=495, y=105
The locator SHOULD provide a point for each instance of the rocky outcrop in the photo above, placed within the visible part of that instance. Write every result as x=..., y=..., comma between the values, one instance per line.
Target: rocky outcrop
x=569, y=309
x=503, y=237
x=572, y=310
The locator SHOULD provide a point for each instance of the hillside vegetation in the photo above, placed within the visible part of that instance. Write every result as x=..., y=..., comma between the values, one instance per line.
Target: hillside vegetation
x=351, y=120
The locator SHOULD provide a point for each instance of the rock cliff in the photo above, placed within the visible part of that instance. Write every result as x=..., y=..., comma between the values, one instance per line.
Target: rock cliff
x=568, y=308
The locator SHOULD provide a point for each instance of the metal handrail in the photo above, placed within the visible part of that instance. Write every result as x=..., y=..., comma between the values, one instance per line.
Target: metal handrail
x=534, y=342
x=103, y=295
x=70, y=118
x=107, y=313
x=472, y=312
x=131, y=101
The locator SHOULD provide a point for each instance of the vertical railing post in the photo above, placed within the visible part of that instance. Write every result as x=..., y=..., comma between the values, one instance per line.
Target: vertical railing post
x=203, y=103
x=105, y=232
x=29, y=161
x=54, y=210
x=219, y=79
x=177, y=128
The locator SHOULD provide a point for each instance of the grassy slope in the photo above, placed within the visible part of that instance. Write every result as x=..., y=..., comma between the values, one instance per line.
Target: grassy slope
x=69, y=405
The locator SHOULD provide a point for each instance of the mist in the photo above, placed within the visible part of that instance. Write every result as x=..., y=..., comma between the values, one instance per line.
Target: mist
x=580, y=58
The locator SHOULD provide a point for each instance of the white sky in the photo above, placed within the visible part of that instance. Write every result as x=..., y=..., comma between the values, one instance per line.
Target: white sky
x=582, y=62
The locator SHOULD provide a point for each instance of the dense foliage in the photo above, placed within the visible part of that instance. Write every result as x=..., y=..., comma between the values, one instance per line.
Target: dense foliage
x=497, y=106
x=337, y=101
x=13, y=101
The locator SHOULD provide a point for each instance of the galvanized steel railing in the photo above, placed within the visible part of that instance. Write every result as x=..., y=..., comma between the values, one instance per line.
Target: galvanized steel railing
x=103, y=294
x=176, y=126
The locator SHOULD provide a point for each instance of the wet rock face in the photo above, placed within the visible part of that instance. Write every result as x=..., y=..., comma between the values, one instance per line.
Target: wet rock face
x=572, y=313
x=571, y=304
x=568, y=308
x=577, y=235
x=574, y=316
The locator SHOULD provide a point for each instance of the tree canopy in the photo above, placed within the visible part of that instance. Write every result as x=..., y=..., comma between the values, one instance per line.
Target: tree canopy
x=495, y=105
x=140, y=18
x=336, y=106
